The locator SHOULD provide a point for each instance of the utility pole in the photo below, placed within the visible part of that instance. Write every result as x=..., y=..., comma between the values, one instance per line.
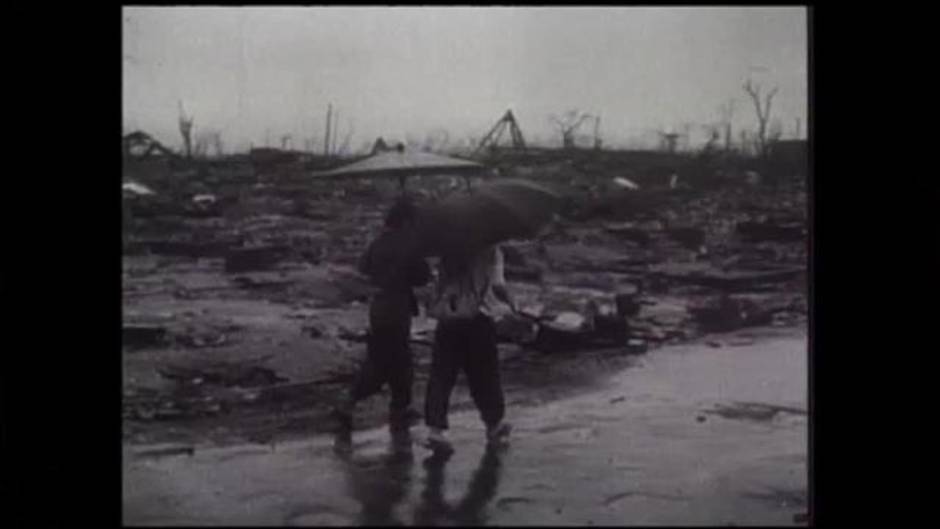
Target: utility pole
x=597, y=136
x=326, y=138
x=335, y=130
x=727, y=114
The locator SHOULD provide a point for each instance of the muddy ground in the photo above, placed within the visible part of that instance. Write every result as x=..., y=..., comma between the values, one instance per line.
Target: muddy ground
x=690, y=434
x=244, y=319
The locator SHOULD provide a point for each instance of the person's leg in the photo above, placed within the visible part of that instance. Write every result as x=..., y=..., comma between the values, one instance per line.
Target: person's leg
x=483, y=376
x=443, y=376
x=400, y=372
x=368, y=380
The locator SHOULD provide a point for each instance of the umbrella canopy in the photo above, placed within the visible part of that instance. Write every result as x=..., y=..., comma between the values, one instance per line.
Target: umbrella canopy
x=402, y=163
x=491, y=213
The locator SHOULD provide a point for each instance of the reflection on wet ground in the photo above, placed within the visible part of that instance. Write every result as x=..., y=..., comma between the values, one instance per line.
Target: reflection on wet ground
x=642, y=451
x=471, y=509
x=381, y=483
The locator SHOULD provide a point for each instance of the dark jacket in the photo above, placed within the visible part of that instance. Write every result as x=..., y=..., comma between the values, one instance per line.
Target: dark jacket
x=390, y=265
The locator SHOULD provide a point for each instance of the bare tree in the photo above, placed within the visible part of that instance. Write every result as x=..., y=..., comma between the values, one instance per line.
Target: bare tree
x=714, y=135
x=726, y=114
x=326, y=137
x=217, y=143
x=597, y=136
x=763, y=112
x=335, y=132
x=186, y=130
x=568, y=125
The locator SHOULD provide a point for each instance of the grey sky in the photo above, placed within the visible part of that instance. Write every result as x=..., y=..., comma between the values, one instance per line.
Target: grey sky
x=252, y=72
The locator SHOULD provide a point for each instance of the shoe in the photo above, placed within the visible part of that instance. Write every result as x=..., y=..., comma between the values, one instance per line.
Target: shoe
x=498, y=434
x=438, y=443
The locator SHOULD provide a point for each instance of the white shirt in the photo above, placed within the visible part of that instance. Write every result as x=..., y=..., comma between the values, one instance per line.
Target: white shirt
x=470, y=293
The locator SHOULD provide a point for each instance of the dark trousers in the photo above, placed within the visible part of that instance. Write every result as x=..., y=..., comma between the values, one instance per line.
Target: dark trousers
x=469, y=346
x=388, y=360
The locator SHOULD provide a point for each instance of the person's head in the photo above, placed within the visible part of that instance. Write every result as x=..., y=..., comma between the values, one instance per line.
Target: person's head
x=401, y=214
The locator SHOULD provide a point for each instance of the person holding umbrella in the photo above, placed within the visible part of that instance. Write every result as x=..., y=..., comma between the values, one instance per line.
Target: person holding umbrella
x=465, y=340
x=395, y=270
x=465, y=231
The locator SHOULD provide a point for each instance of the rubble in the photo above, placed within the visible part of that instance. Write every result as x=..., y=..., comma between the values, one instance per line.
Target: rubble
x=655, y=264
x=166, y=450
x=693, y=238
x=312, y=331
x=225, y=374
x=627, y=303
x=728, y=312
x=516, y=329
x=250, y=259
x=198, y=341
x=140, y=335
x=629, y=231
x=703, y=274
x=523, y=274
x=770, y=231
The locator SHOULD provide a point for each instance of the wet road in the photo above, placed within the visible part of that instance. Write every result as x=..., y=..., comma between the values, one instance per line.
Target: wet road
x=694, y=435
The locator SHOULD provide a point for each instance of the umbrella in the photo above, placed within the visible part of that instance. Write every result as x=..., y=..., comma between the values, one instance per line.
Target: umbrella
x=491, y=213
x=402, y=163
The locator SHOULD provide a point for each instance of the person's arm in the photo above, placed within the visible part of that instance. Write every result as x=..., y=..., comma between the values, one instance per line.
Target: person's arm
x=498, y=280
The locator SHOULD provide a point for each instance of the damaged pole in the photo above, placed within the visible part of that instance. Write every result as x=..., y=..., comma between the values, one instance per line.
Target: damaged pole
x=597, y=136
x=186, y=128
x=326, y=139
x=335, y=130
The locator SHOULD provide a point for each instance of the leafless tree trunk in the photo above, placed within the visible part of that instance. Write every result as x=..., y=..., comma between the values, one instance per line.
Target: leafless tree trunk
x=217, y=143
x=763, y=112
x=326, y=138
x=335, y=132
x=186, y=130
x=726, y=112
x=568, y=125
x=597, y=135
x=714, y=135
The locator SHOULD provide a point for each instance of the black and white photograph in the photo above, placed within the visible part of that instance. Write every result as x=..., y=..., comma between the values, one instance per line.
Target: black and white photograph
x=466, y=265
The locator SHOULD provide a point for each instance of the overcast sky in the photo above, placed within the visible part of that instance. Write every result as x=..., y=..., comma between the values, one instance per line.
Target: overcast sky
x=258, y=73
